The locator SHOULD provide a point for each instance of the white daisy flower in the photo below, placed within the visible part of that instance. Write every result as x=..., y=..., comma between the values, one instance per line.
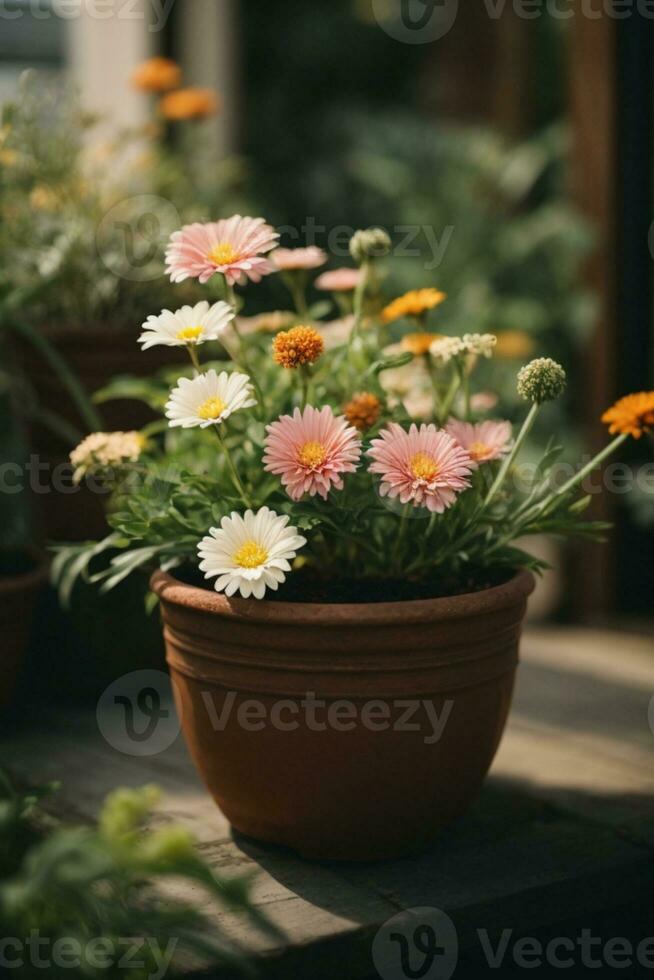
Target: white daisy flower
x=249, y=553
x=208, y=399
x=190, y=326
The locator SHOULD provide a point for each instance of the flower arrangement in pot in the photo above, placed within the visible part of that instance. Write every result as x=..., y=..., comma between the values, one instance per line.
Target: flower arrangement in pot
x=341, y=593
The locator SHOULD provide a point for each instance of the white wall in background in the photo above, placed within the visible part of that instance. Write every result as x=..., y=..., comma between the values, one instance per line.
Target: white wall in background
x=103, y=52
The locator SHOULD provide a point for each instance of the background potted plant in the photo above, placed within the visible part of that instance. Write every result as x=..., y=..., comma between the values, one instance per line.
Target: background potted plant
x=83, y=223
x=405, y=585
x=23, y=573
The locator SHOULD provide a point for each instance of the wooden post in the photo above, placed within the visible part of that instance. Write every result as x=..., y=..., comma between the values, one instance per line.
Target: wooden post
x=593, y=112
x=207, y=50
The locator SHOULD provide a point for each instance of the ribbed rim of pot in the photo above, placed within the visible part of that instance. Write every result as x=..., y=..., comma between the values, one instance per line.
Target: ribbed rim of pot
x=23, y=581
x=510, y=593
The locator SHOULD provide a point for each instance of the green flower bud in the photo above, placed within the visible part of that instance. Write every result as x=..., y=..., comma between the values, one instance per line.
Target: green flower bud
x=541, y=380
x=373, y=243
x=168, y=846
x=124, y=810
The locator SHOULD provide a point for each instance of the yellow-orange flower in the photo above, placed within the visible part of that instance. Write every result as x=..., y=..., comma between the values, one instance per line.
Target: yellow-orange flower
x=43, y=198
x=632, y=415
x=419, y=343
x=297, y=347
x=412, y=304
x=190, y=103
x=514, y=345
x=157, y=75
x=363, y=410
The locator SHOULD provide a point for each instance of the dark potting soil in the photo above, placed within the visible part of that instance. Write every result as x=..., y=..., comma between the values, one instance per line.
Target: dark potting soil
x=307, y=585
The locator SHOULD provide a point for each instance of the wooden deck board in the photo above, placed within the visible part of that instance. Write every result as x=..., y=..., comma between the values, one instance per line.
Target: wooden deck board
x=567, y=814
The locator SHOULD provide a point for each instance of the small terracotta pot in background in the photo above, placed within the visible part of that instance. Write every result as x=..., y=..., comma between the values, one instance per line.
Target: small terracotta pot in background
x=95, y=355
x=381, y=788
x=22, y=575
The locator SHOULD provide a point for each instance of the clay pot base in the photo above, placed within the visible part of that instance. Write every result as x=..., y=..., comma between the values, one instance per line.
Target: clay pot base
x=364, y=794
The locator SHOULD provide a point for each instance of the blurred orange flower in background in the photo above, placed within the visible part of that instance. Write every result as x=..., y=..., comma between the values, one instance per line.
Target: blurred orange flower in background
x=414, y=303
x=157, y=75
x=419, y=343
x=632, y=415
x=190, y=103
x=514, y=345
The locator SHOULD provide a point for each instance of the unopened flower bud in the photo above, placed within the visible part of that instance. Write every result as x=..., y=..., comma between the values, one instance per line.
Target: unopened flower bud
x=541, y=380
x=372, y=243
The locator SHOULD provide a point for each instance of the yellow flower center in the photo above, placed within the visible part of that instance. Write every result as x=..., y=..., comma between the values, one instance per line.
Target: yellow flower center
x=479, y=450
x=211, y=409
x=312, y=454
x=423, y=466
x=223, y=254
x=190, y=333
x=250, y=555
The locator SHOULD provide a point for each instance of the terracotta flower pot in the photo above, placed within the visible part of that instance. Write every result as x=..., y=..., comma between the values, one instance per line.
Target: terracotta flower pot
x=22, y=574
x=423, y=691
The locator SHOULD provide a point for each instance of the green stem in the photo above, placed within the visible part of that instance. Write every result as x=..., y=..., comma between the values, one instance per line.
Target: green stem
x=359, y=297
x=294, y=283
x=66, y=375
x=246, y=368
x=232, y=469
x=397, y=565
x=431, y=368
x=452, y=392
x=195, y=360
x=466, y=399
x=527, y=426
x=575, y=480
x=305, y=375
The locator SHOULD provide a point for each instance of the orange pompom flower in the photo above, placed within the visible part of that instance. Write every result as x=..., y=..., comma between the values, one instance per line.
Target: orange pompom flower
x=363, y=410
x=632, y=415
x=296, y=347
x=157, y=75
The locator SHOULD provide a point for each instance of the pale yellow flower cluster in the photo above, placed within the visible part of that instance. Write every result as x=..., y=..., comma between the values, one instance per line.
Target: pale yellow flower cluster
x=477, y=344
x=105, y=449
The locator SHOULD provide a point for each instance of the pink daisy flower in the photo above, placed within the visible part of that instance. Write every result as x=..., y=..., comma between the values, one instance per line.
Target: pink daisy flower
x=339, y=280
x=293, y=259
x=232, y=246
x=310, y=451
x=484, y=442
x=424, y=466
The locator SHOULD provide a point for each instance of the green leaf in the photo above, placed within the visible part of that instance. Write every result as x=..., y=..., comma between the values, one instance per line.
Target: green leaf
x=581, y=505
x=388, y=363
